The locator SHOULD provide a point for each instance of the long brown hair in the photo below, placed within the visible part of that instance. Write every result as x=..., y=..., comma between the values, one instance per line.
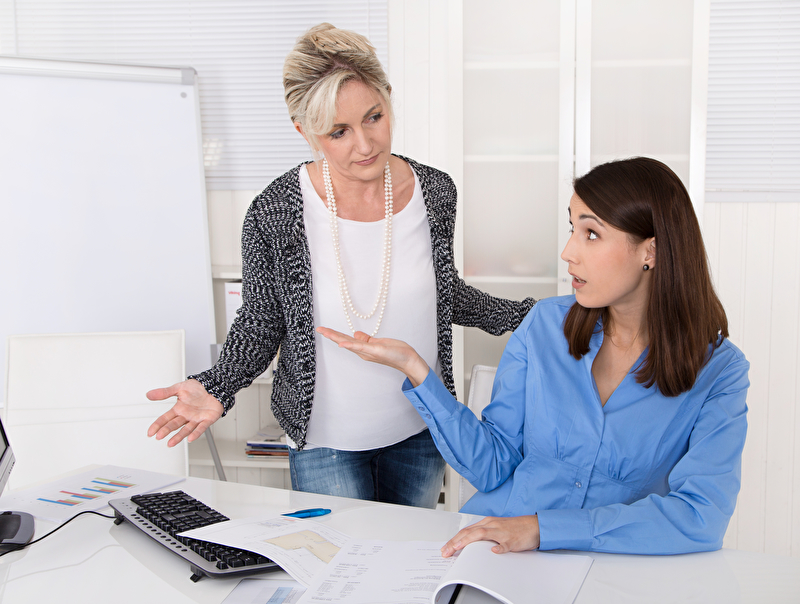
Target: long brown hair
x=644, y=198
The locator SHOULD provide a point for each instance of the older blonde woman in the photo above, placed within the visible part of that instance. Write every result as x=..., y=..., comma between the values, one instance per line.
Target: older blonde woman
x=358, y=239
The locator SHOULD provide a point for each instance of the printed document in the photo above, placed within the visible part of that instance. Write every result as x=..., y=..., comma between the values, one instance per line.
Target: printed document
x=375, y=572
x=302, y=548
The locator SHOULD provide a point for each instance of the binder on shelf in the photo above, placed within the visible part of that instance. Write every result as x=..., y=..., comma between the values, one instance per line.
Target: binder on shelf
x=233, y=300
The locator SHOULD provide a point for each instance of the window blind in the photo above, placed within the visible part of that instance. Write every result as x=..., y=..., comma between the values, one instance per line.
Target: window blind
x=237, y=48
x=753, y=139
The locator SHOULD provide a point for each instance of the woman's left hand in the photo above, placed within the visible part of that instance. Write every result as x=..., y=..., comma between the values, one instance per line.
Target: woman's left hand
x=515, y=534
x=385, y=351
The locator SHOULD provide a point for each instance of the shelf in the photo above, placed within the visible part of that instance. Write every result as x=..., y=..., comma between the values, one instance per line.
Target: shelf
x=601, y=158
x=232, y=455
x=627, y=63
x=482, y=279
x=510, y=65
x=515, y=158
x=228, y=272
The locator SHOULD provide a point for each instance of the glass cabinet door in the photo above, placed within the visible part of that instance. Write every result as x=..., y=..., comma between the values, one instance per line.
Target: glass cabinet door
x=551, y=87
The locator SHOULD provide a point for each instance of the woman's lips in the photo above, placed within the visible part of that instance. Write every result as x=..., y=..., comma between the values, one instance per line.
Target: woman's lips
x=577, y=283
x=367, y=162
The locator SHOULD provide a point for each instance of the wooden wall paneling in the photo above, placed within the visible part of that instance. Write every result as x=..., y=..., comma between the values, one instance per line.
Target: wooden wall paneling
x=730, y=282
x=781, y=432
x=755, y=341
x=711, y=239
x=795, y=372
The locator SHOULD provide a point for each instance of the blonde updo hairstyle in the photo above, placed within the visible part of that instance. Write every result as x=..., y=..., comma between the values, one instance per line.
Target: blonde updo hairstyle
x=322, y=61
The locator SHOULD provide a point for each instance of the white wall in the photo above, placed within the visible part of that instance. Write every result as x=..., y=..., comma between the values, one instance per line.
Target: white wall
x=755, y=259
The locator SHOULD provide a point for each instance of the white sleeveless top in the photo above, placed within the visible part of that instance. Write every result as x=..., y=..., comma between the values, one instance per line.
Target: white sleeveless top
x=359, y=405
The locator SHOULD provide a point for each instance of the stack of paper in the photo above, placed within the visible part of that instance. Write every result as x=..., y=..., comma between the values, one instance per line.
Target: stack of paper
x=267, y=442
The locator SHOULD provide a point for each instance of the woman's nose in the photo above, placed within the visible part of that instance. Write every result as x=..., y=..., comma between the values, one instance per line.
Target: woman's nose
x=566, y=254
x=363, y=143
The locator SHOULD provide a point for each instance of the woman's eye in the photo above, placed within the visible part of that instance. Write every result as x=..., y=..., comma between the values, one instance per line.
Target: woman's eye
x=337, y=133
x=571, y=228
x=592, y=235
x=375, y=117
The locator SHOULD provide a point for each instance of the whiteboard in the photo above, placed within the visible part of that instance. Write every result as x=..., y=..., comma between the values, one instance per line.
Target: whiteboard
x=103, y=223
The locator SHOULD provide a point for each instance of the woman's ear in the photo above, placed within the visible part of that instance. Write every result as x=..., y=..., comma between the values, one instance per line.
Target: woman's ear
x=650, y=255
x=314, y=151
x=311, y=140
x=299, y=127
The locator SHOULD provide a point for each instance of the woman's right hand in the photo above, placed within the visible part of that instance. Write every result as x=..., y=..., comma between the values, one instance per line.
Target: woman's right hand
x=194, y=411
x=385, y=351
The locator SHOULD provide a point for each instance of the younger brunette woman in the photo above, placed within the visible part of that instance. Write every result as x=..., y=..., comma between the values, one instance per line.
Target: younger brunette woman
x=618, y=415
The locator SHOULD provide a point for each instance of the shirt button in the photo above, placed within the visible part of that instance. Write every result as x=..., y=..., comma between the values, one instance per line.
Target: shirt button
x=421, y=408
x=578, y=484
x=427, y=416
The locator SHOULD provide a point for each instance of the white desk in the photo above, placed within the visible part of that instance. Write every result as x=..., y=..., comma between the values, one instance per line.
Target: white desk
x=93, y=560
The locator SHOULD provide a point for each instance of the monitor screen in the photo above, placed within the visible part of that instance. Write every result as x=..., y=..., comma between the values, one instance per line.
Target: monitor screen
x=6, y=458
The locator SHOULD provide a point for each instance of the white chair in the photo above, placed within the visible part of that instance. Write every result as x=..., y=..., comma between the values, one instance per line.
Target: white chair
x=479, y=395
x=78, y=399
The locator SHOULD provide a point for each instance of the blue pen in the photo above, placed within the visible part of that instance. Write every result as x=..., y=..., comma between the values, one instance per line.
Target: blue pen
x=310, y=513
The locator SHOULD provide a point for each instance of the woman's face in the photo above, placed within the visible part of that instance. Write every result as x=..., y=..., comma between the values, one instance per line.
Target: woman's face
x=360, y=143
x=606, y=268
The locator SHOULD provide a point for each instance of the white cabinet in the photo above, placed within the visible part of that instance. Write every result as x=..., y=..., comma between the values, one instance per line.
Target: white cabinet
x=511, y=84
x=550, y=89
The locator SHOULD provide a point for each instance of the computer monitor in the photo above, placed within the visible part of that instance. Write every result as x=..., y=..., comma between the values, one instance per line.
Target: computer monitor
x=16, y=528
x=6, y=458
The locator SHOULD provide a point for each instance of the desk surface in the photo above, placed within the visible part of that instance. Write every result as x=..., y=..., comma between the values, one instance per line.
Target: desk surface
x=93, y=560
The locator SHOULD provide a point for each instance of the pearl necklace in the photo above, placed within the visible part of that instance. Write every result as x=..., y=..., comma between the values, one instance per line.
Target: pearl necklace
x=383, y=288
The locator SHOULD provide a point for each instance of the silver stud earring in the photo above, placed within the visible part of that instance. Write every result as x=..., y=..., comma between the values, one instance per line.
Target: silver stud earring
x=646, y=267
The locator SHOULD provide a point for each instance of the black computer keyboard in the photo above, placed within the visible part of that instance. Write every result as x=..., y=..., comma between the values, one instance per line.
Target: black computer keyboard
x=163, y=515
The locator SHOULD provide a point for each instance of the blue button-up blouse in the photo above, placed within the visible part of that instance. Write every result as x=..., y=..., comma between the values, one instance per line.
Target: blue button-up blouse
x=645, y=473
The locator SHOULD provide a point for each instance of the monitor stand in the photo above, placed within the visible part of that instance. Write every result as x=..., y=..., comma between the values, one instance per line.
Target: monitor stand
x=16, y=530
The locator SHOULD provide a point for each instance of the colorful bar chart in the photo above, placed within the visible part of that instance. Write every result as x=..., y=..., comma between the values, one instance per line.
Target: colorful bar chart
x=98, y=488
x=85, y=490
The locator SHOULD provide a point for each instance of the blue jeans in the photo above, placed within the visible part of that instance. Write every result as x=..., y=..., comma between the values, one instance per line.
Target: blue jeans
x=408, y=473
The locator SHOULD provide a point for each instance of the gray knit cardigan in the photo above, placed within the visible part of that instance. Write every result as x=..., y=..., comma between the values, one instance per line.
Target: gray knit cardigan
x=277, y=300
